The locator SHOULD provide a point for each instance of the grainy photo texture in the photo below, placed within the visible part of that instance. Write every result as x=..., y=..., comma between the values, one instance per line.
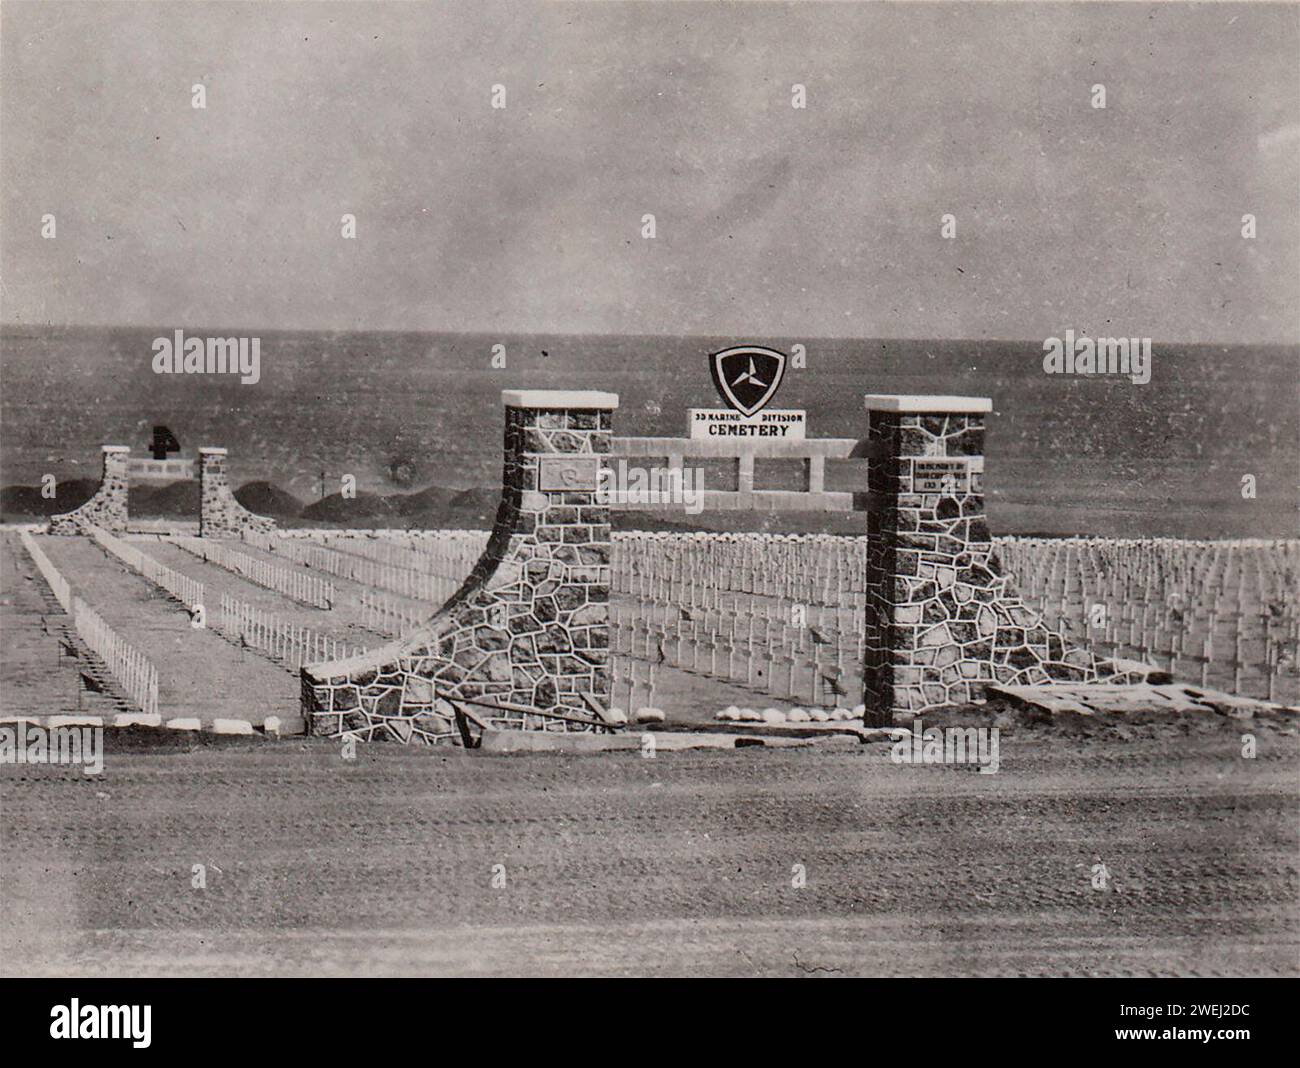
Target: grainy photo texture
x=649, y=489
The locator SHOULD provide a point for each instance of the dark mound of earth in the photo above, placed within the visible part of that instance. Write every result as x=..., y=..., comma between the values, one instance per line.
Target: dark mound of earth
x=435, y=500
x=348, y=511
x=19, y=503
x=167, y=500
x=266, y=498
x=436, y=507
x=475, y=509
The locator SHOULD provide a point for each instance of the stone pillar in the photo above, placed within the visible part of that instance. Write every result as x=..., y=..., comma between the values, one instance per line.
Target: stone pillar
x=530, y=626
x=220, y=515
x=108, y=507
x=941, y=624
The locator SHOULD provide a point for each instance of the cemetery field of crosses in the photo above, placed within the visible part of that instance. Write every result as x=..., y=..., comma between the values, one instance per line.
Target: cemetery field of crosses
x=778, y=619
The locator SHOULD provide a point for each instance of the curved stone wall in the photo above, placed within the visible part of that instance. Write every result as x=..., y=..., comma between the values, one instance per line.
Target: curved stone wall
x=108, y=507
x=530, y=626
x=941, y=620
x=220, y=515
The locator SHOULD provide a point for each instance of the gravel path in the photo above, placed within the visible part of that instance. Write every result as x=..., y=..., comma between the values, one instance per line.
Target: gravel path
x=342, y=622
x=199, y=674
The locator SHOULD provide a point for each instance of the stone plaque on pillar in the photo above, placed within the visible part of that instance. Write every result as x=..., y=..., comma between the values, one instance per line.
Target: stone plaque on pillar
x=940, y=476
x=577, y=474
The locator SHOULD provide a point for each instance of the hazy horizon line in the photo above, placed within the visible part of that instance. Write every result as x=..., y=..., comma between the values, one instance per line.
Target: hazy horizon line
x=7, y=327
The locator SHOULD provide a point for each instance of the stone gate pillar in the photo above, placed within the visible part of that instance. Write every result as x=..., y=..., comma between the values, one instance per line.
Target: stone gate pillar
x=928, y=553
x=941, y=623
x=530, y=626
x=220, y=515
x=108, y=507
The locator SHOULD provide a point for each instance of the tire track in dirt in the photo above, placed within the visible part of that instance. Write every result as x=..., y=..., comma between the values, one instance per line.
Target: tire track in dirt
x=683, y=864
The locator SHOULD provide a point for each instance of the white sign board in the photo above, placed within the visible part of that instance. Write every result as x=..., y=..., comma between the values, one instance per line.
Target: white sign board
x=714, y=424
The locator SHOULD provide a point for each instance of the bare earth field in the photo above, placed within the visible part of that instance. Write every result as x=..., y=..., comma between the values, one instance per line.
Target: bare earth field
x=615, y=864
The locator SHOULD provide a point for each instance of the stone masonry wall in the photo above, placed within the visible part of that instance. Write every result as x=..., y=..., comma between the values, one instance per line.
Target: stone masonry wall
x=108, y=507
x=530, y=626
x=220, y=515
x=941, y=623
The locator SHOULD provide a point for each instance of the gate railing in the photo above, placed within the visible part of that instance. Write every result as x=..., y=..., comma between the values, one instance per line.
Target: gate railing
x=814, y=452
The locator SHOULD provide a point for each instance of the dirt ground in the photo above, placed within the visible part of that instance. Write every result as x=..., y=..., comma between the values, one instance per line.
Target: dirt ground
x=682, y=864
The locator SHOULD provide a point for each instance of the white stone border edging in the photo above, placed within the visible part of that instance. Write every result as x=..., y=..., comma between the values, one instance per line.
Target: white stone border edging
x=270, y=728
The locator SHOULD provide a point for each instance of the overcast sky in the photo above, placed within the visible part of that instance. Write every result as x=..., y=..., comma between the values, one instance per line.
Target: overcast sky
x=770, y=220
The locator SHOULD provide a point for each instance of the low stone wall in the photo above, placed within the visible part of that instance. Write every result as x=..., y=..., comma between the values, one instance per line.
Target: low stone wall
x=530, y=626
x=108, y=507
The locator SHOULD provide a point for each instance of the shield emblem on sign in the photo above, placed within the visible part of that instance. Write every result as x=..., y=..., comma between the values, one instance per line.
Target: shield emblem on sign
x=747, y=376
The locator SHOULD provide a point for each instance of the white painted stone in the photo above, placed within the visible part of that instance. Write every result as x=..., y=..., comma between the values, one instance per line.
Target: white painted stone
x=231, y=726
x=184, y=724
x=649, y=715
x=558, y=398
x=73, y=721
x=137, y=719
x=920, y=403
x=271, y=726
x=773, y=715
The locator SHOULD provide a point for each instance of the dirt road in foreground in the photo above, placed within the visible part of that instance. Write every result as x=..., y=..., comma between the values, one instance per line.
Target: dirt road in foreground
x=682, y=864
